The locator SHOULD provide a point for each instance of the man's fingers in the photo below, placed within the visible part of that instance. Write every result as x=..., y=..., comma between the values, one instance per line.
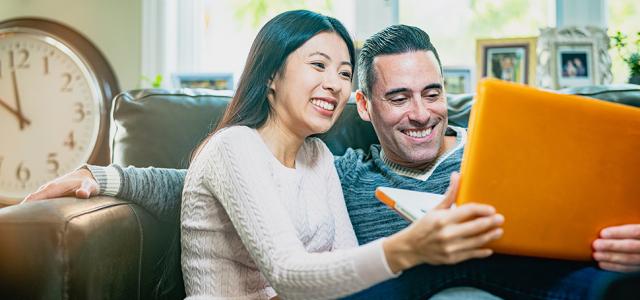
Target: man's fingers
x=452, y=192
x=618, y=267
x=44, y=192
x=608, y=245
x=630, y=231
x=87, y=188
x=617, y=257
x=472, y=227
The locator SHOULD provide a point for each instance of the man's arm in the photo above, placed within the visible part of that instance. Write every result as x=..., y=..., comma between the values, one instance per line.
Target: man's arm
x=157, y=190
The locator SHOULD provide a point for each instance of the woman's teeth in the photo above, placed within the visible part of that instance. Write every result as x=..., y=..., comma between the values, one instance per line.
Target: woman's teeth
x=323, y=104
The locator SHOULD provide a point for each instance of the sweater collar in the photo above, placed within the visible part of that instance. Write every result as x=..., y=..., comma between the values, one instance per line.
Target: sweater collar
x=423, y=175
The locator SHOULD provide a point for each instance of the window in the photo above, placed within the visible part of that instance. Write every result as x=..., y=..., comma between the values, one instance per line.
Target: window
x=624, y=16
x=229, y=28
x=454, y=25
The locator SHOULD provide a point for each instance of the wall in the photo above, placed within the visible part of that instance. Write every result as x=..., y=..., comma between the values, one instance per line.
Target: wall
x=114, y=26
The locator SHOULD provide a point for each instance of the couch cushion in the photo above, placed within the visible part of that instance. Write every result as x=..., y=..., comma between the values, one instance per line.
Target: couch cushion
x=161, y=127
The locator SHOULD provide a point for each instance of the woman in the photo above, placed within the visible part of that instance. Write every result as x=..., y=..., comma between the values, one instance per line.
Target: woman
x=263, y=211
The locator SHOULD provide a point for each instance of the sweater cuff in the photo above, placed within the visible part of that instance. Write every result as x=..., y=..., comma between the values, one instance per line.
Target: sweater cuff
x=372, y=264
x=108, y=179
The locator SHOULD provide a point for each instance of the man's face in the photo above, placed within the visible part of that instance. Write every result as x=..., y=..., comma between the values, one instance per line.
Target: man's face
x=407, y=107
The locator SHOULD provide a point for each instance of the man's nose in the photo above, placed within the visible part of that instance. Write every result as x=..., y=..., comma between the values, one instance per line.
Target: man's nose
x=418, y=111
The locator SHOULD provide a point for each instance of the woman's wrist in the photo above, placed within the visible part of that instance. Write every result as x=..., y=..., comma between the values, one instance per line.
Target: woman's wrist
x=399, y=252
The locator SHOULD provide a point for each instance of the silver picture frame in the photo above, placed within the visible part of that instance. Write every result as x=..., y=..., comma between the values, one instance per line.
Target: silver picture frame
x=573, y=56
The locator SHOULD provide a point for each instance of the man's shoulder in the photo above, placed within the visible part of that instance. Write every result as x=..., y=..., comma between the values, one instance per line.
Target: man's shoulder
x=352, y=161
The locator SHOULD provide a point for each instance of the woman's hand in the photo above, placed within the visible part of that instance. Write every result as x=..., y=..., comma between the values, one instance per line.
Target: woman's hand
x=445, y=236
x=79, y=183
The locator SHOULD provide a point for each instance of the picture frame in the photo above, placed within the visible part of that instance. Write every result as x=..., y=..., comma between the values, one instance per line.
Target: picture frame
x=457, y=80
x=510, y=59
x=214, y=81
x=573, y=56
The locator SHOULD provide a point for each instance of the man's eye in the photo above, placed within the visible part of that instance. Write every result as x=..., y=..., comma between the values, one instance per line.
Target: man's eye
x=398, y=100
x=432, y=96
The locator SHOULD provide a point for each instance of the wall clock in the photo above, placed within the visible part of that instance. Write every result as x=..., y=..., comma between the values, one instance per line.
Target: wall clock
x=55, y=94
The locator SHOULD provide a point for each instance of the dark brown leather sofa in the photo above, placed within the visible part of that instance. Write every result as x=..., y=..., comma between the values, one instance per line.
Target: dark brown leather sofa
x=105, y=248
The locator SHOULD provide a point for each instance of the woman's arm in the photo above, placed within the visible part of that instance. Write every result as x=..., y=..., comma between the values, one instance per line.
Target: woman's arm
x=243, y=183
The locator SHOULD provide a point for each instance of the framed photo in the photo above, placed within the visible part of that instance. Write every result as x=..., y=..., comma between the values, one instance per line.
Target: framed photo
x=510, y=59
x=457, y=80
x=573, y=56
x=214, y=81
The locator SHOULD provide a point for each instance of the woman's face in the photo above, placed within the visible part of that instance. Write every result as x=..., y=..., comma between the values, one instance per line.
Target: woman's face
x=310, y=93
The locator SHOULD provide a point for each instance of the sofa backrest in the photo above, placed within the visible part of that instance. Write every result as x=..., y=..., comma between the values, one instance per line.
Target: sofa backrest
x=160, y=128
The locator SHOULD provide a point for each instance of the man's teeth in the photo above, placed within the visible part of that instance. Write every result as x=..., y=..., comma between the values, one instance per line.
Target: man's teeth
x=418, y=133
x=323, y=104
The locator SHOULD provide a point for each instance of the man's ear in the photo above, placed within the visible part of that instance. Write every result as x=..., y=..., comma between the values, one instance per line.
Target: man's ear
x=363, y=106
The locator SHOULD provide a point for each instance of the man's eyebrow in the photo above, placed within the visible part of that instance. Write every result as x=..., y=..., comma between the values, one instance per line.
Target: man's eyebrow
x=403, y=90
x=395, y=91
x=329, y=58
x=432, y=86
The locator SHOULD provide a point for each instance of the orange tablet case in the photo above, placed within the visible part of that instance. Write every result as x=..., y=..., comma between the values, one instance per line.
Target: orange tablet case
x=558, y=167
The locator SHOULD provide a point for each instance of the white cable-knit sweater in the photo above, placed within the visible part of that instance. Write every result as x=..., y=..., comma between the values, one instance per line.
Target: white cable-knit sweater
x=252, y=227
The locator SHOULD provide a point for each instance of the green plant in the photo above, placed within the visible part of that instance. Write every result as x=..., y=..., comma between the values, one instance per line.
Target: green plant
x=630, y=56
x=155, y=83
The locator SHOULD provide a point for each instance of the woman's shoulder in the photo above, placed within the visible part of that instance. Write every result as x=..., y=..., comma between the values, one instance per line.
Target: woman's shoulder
x=230, y=139
x=316, y=150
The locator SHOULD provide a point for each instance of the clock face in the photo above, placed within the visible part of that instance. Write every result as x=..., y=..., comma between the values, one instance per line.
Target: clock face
x=50, y=108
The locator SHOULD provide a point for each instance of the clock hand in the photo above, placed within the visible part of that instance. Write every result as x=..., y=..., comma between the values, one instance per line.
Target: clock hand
x=20, y=116
x=13, y=111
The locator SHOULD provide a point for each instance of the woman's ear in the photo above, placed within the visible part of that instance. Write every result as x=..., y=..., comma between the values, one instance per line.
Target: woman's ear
x=363, y=106
x=271, y=88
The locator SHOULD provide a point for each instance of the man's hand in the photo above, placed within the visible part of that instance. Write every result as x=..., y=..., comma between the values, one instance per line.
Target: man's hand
x=79, y=183
x=445, y=236
x=618, y=248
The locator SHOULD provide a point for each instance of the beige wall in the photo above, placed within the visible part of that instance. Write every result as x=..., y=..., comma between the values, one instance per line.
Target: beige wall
x=114, y=26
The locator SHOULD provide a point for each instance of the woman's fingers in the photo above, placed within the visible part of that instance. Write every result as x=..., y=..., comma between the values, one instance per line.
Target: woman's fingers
x=473, y=227
x=467, y=212
x=452, y=192
x=477, y=241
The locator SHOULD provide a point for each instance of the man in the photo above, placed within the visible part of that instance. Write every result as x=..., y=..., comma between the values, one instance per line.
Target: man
x=402, y=95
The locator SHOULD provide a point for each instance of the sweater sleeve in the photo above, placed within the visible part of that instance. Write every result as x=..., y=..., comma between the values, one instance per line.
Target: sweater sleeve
x=266, y=231
x=157, y=190
x=345, y=236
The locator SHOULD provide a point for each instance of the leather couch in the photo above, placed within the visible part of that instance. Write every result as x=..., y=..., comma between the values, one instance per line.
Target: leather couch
x=106, y=248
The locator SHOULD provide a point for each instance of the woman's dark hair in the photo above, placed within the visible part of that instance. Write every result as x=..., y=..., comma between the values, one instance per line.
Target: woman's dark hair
x=250, y=107
x=277, y=39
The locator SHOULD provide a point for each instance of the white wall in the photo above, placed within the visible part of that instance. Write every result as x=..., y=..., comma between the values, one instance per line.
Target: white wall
x=114, y=26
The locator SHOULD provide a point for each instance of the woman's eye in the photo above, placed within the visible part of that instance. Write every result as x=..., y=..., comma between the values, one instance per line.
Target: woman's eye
x=346, y=74
x=318, y=65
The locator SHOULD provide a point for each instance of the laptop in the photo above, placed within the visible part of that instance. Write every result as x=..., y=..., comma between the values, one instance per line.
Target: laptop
x=559, y=167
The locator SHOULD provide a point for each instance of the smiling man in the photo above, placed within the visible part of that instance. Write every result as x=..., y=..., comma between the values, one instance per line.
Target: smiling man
x=402, y=95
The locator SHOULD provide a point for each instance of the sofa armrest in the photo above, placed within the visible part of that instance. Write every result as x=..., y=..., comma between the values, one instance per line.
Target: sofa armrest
x=67, y=248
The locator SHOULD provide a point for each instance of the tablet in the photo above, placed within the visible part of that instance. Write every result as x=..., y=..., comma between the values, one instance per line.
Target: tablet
x=558, y=167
